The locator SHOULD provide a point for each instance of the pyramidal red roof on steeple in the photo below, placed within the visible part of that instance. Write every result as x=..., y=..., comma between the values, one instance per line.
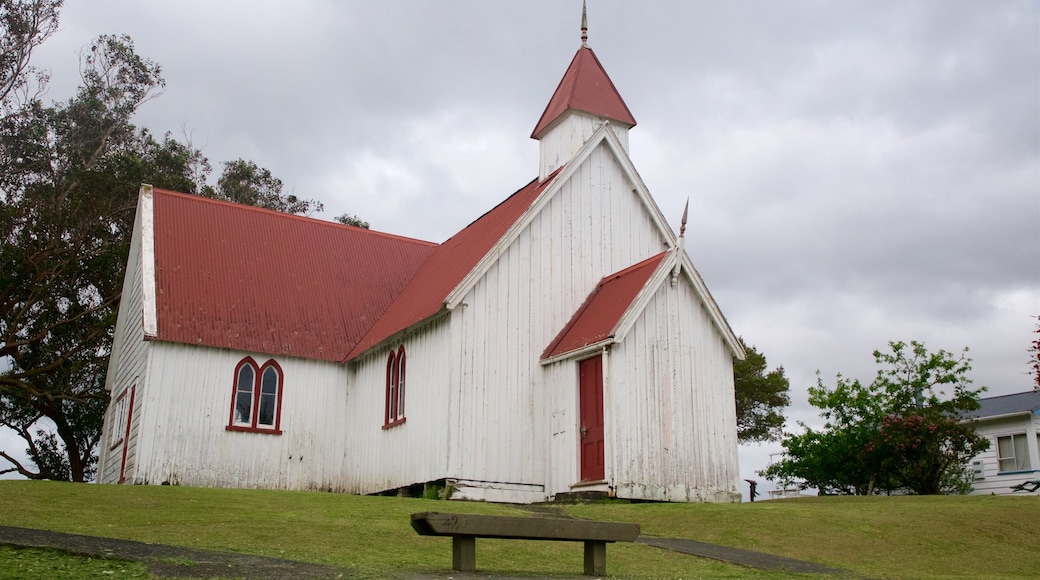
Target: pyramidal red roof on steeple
x=585, y=87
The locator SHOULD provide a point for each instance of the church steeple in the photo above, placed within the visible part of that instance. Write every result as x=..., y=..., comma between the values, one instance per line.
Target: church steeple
x=583, y=100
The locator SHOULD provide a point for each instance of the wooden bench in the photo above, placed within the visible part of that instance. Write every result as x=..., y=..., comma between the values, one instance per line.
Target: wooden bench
x=464, y=529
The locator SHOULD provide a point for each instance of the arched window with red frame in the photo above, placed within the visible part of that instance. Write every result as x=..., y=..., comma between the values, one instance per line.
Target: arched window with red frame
x=256, y=402
x=395, y=381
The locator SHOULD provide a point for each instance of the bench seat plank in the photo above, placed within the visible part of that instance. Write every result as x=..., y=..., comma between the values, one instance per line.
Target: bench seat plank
x=464, y=529
x=516, y=528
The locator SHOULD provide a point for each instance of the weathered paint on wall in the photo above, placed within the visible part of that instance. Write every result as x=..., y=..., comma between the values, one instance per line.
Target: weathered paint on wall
x=670, y=405
x=560, y=144
x=183, y=440
x=414, y=452
x=127, y=366
x=593, y=224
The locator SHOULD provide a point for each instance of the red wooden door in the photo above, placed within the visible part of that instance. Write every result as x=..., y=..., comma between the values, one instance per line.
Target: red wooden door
x=590, y=398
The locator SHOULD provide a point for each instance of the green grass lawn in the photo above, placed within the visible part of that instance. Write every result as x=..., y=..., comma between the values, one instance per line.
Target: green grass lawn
x=898, y=537
x=30, y=564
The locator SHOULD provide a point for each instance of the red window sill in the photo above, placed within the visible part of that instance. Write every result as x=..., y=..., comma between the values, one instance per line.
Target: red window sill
x=395, y=423
x=242, y=429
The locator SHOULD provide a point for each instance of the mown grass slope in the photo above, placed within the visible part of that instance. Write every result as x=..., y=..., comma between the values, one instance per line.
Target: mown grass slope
x=901, y=537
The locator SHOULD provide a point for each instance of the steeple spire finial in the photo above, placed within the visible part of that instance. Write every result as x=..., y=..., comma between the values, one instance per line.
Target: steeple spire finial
x=584, y=25
x=682, y=226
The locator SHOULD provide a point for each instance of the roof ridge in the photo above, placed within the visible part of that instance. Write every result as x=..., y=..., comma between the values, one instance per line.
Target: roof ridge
x=634, y=267
x=554, y=349
x=408, y=308
x=1023, y=393
x=246, y=207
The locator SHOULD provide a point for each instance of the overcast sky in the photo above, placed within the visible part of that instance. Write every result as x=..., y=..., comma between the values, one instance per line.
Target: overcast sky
x=858, y=172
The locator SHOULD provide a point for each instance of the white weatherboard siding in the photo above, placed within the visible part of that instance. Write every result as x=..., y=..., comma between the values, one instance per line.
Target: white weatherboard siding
x=558, y=145
x=992, y=480
x=183, y=439
x=378, y=459
x=501, y=412
x=126, y=367
x=671, y=416
x=561, y=380
x=669, y=407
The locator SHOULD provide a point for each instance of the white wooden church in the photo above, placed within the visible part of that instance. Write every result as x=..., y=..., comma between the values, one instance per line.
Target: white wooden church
x=562, y=342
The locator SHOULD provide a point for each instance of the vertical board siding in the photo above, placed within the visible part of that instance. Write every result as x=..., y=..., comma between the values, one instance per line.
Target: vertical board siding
x=672, y=407
x=126, y=367
x=183, y=436
x=561, y=386
x=506, y=403
x=414, y=452
x=565, y=139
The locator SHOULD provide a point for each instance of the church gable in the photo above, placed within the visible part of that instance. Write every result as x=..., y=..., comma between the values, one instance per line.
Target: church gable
x=596, y=321
x=595, y=217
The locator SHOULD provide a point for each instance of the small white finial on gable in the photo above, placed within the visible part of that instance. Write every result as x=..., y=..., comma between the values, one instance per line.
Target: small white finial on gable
x=685, y=212
x=682, y=245
x=584, y=25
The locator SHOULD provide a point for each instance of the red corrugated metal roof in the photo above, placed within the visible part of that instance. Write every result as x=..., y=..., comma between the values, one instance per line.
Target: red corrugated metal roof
x=250, y=279
x=596, y=319
x=449, y=264
x=585, y=87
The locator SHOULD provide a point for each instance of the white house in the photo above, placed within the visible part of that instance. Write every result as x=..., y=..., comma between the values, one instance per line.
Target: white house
x=1012, y=425
x=562, y=342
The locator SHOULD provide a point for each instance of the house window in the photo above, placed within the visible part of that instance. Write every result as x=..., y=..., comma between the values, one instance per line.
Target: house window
x=1013, y=452
x=395, y=381
x=256, y=402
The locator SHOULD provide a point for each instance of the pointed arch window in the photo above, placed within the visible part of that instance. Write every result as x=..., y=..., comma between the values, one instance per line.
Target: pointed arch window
x=256, y=402
x=395, y=388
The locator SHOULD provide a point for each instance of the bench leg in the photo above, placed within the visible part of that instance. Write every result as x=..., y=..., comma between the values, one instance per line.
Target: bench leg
x=464, y=553
x=595, y=558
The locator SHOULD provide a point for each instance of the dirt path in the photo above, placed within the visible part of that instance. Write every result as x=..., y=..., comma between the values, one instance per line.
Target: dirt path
x=172, y=561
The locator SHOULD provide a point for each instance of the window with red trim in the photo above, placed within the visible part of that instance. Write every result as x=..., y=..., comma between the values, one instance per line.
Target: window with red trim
x=117, y=421
x=256, y=399
x=395, y=381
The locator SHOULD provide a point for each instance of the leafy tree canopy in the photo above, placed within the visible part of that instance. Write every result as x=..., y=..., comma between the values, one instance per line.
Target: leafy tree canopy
x=25, y=24
x=244, y=182
x=348, y=219
x=761, y=397
x=903, y=431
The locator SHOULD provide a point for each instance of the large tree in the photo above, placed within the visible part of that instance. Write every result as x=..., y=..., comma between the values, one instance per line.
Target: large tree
x=903, y=431
x=761, y=397
x=246, y=183
x=69, y=177
x=24, y=25
x=64, y=222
